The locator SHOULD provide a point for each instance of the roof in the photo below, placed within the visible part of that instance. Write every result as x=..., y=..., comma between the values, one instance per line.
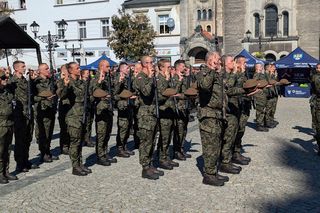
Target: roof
x=298, y=58
x=13, y=37
x=148, y=3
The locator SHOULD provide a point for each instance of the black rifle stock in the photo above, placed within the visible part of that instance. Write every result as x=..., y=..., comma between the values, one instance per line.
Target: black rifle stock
x=110, y=91
x=29, y=112
x=154, y=78
x=173, y=85
x=85, y=109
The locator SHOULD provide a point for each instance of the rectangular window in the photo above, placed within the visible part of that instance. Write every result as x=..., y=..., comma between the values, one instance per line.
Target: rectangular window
x=105, y=28
x=163, y=27
x=82, y=29
x=59, y=1
x=60, y=31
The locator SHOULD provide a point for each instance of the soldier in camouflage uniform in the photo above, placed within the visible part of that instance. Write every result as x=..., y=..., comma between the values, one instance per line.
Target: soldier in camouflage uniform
x=210, y=87
x=125, y=108
x=273, y=92
x=23, y=117
x=232, y=112
x=45, y=109
x=64, y=107
x=136, y=138
x=315, y=86
x=104, y=114
x=6, y=129
x=244, y=112
x=147, y=121
x=74, y=90
x=182, y=117
x=261, y=99
x=167, y=107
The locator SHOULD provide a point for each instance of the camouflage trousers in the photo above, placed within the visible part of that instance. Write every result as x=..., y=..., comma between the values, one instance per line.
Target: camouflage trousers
x=6, y=133
x=75, y=150
x=210, y=133
x=243, y=119
x=261, y=103
x=147, y=131
x=104, y=123
x=124, y=123
x=312, y=102
x=229, y=136
x=23, y=132
x=317, y=120
x=135, y=127
x=180, y=132
x=90, y=118
x=45, y=124
x=64, y=139
x=166, y=127
x=271, y=109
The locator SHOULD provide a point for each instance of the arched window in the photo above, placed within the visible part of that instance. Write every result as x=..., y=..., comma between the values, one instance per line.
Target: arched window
x=285, y=16
x=209, y=28
x=199, y=14
x=209, y=14
x=271, y=20
x=256, y=25
x=204, y=14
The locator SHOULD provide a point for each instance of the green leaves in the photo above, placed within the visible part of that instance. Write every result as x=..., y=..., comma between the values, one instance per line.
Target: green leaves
x=132, y=36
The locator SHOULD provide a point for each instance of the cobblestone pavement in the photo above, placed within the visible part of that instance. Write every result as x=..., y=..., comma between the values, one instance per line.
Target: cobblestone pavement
x=282, y=177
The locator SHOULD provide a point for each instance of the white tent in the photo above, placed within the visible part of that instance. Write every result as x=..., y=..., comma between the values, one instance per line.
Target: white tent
x=30, y=58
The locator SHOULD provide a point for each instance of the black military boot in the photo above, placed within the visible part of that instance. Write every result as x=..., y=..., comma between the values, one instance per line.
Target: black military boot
x=228, y=168
x=164, y=164
x=129, y=152
x=78, y=171
x=222, y=177
x=271, y=125
x=261, y=129
x=122, y=154
x=156, y=171
x=212, y=180
x=172, y=163
x=103, y=162
x=186, y=155
x=179, y=156
x=275, y=122
x=10, y=176
x=86, y=169
x=237, y=158
x=46, y=158
x=110, y=159
x=149, y=173
x=3, y=179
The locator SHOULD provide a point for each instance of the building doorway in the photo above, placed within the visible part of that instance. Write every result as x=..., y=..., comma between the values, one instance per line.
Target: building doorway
x=198, y=54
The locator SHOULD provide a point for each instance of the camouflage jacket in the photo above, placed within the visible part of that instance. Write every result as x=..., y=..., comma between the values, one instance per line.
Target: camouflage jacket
x=126, y=84
x=19, y=87
x=262, y=95
x=315, y=84
x=210, y=85
x=41, y=103
x=233, y=90
x=102, y=104
x=145, y=88
x=6, y=113
x=62, y=101
x=162, y=85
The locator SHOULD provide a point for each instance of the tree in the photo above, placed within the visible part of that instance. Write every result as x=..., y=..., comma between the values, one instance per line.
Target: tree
x=132, y=36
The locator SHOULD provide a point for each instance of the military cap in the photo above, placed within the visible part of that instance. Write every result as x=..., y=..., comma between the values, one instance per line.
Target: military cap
x=169, y=92
x=191, y=92
x=45, y=94
x=250, y=83
x=272, y=82
x=99, y=93
x=125, y=94
x=284, y=81
x=262, y=83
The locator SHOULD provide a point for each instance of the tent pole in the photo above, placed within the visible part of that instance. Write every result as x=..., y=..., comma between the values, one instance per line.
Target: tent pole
x=6, y=52
x=39, y=55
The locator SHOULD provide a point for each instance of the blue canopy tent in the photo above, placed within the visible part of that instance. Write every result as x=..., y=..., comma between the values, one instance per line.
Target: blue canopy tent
x=251, y=60
x=94, y=65
x=297, y=59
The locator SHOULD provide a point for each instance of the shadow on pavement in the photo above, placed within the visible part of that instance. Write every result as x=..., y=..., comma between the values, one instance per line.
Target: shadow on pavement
x=305, y=160
x=200, y=164
x=251, y=125
x=304, y=130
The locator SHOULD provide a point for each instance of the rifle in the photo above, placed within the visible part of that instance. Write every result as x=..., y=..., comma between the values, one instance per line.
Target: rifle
x=174, y=98
x=85, y=108
x=130, y=101
x=189, y=79
x=224, y=104
x=110, y=91
x=154, y=78
x=29, y=113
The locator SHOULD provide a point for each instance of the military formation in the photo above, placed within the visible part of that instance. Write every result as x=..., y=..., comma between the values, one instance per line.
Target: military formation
x=153, y=101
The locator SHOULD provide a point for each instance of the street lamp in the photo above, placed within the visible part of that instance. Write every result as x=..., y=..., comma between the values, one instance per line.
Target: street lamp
x=49, y=38
x=248, y=35
x=73, y=49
